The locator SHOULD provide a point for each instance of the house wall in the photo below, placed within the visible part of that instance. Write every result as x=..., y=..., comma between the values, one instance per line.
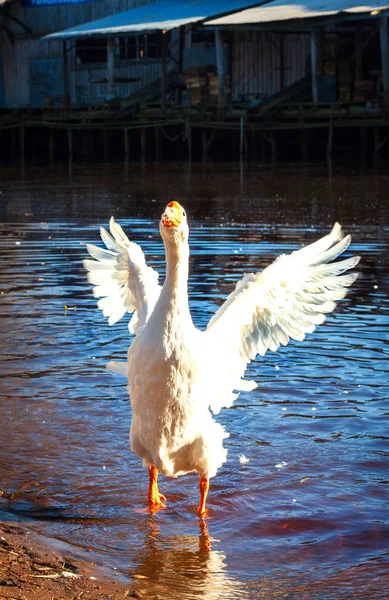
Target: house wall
x=256, y=62
x=33, y=69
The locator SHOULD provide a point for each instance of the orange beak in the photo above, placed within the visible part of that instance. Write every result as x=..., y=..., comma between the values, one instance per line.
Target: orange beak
x=172, y=215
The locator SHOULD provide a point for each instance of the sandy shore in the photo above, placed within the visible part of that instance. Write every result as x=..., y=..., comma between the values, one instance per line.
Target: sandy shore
x=30, y=570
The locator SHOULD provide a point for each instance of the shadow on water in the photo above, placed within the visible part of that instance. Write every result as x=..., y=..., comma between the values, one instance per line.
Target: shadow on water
x=307, y=515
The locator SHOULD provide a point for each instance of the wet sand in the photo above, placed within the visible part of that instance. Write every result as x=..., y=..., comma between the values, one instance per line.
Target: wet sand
x=30, y=569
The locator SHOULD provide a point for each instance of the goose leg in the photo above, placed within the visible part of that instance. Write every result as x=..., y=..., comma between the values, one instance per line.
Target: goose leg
x=204, y=487
x=154, y=497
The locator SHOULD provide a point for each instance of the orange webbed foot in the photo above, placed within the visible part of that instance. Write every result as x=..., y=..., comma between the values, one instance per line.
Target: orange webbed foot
x=155, y=499
x=204, y=487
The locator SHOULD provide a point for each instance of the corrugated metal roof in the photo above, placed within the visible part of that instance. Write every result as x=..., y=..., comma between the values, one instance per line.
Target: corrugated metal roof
x=284, y=10
x=160, y=15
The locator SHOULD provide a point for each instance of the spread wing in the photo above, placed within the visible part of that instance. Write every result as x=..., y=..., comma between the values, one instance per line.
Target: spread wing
x=122, y=279
x=285, y=301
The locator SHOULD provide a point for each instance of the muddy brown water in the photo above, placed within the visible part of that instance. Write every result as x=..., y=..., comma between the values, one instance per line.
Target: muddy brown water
x=307, y=516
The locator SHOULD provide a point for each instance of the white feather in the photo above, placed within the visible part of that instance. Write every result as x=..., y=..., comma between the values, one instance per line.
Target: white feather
x=121, y=278
x=285, y=301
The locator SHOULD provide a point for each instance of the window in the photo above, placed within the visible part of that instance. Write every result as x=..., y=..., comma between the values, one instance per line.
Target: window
x=138, y=47
x=132, y=47
x=93, y=50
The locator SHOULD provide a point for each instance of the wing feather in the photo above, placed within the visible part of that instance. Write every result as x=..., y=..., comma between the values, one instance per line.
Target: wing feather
x=121, y=278
x=285, y=301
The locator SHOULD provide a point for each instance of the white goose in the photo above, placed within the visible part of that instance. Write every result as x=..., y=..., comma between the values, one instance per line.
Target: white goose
x=176, y=373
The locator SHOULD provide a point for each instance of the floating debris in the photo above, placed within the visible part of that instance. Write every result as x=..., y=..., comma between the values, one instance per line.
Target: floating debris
x=243, y=460
x=281, y=465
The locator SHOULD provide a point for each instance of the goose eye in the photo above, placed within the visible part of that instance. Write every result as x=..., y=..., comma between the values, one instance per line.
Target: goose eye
x=183, y=213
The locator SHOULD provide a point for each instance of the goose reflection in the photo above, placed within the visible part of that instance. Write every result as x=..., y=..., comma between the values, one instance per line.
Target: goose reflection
x=183, y=566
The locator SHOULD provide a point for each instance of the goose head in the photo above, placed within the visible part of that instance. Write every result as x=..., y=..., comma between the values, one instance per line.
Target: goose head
x=174, y=225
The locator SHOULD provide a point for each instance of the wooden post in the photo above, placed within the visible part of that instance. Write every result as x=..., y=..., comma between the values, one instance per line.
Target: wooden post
x=181, y=60
x=384, y=43
x=111, y=67
x=158, y=144
x=329, y=140
x=143, y=153
x=358, y=51
x=315, y=89
x=126, y=145
x=22, y=140
x=253, y=140
x=304, y=143
x=241, y=138
x=273, y=143
x=282, y=60
x=51, y=146
x=164, y=50
x=188, y=135
x=106, y=145
x=66, y=95
x=70, y=145
x=364, y=143
x=204, y=145
x=206, y=142
x=220, y=65
x=321, y=50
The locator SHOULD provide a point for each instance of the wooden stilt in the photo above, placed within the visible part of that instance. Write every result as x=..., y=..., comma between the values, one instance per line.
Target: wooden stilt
x=273, y=144
x=204, y=145
x=253, y=140
x=143, y=149
x=329, y=140
x=304, y=143
x=263, y=149
x=158, y=152
x=106, y=145
x=188, y=135
x=206, y=142
x=51, y=146
x=126, y=145
x=70, y=145
x=22, y=140
x=364, y=142
x=241, y=138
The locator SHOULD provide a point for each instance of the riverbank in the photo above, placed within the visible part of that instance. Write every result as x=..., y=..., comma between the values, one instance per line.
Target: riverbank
x=31, y=570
